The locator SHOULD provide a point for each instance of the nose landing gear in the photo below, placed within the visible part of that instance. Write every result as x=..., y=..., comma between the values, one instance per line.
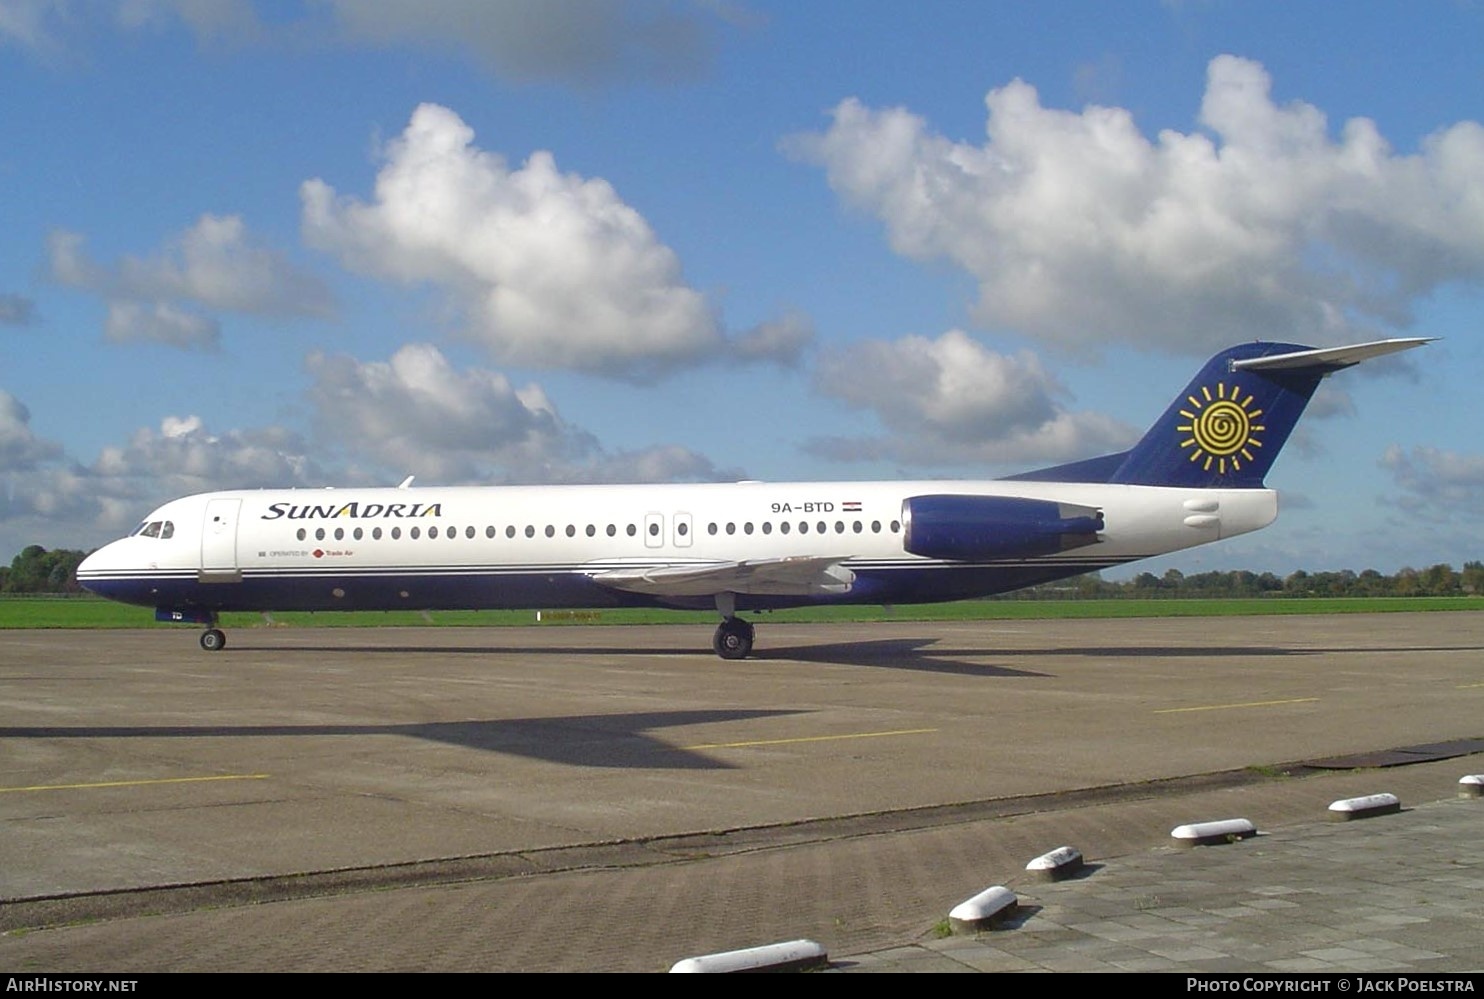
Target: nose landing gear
x=213, y=639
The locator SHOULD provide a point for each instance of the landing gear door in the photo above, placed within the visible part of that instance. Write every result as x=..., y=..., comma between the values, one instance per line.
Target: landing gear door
x=219, y=542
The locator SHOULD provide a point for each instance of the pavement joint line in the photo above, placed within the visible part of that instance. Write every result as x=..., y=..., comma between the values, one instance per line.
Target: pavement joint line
x=807, y=738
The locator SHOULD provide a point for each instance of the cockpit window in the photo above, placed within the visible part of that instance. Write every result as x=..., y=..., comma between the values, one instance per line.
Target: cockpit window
x=156, y=529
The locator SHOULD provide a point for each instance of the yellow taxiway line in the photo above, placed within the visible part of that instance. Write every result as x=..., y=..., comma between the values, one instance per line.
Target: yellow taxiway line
x=134, y=783
x=1245, y=704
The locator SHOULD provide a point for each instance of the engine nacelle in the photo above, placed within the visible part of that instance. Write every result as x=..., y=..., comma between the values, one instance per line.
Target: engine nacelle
x=971, y=528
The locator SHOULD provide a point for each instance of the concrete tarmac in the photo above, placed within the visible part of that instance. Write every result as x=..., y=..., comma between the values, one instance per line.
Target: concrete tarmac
x=617, y=799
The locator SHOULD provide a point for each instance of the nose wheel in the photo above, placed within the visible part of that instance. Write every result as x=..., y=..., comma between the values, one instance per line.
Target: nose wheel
x=733, y=638
x=213, y=639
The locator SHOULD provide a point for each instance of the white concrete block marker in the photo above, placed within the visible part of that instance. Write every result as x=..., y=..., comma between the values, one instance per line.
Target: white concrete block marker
x=1363, y=808
x=984, y=910
x=1212, y=833
x=792, y=955
x=1471, y=786
x=1060, y=863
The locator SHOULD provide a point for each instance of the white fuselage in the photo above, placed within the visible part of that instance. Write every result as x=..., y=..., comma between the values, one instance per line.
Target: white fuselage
x=544, y=546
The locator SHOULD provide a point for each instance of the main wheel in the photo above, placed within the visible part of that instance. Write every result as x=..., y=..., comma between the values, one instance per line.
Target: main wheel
x=733, y=639
x=213, y=639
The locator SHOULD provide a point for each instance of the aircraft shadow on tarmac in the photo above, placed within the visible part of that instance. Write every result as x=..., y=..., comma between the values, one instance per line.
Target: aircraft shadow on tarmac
x=618, y=740
x=919, y=654
x=891, y=653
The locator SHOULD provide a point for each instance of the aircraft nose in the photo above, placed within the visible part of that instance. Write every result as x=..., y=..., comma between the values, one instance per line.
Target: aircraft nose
x=86, y=567
x=91, y=569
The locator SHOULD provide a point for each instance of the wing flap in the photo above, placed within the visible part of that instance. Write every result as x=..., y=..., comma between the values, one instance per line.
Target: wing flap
x=810, y=575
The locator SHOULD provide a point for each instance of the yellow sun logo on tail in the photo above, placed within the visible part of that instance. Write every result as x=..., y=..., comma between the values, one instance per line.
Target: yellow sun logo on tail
x=1222, y=429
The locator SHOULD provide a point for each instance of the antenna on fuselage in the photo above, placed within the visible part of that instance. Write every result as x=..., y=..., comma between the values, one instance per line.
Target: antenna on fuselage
x=406, y=482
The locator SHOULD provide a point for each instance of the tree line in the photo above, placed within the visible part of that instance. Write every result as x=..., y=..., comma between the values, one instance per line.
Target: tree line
x=37, y=570
x=1440, y=580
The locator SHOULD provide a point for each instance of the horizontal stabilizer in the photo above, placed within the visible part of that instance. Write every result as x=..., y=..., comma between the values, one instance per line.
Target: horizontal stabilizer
x=1329, y=358
x=793, y=576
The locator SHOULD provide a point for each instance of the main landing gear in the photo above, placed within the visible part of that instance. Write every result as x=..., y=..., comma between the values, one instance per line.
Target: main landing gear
x=213, y=639
x=733, y=638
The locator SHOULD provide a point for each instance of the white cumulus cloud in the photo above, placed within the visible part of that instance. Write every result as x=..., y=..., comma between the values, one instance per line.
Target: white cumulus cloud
x=418, y=413
x=1437, y=484
x=950, y=400
x=20, y=448
x=160, y=322
x=1079, y=229
x=214, y=266
x=545, y=269
x=549, y=269
x=50, y=498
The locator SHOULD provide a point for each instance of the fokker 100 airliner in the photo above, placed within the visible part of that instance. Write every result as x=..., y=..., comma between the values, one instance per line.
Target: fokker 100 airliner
x=1196, y=476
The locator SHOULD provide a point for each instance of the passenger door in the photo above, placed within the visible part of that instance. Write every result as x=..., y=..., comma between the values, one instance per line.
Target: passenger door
x=219, y=542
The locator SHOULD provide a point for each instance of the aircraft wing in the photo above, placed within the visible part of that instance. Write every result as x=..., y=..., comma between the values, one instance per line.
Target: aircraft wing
x=803, y=575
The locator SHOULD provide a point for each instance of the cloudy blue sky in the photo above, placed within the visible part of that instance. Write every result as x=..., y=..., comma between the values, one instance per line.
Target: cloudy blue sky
x=265, y=244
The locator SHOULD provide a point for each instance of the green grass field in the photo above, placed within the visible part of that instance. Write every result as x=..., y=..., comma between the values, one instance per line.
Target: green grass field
x=91, y=612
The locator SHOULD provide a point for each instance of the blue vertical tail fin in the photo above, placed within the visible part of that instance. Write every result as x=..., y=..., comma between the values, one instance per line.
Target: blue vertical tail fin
x=1227, y=427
